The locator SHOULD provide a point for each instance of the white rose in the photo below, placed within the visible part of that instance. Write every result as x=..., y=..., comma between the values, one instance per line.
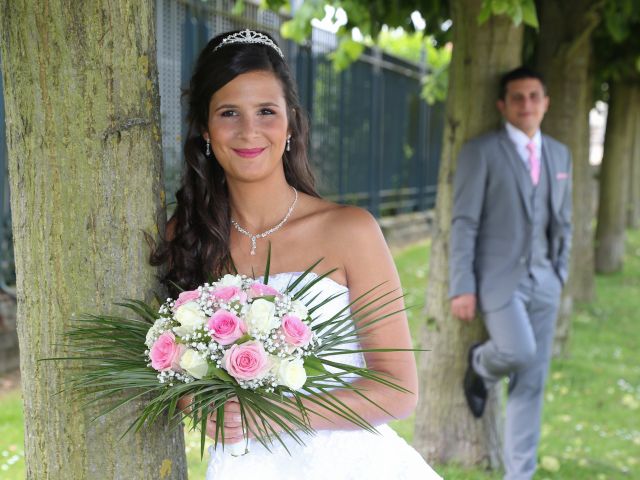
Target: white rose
x=292, y=374
x=262, y=315
x=231, y=281
x=189, y=316
x=194, y=363
x=299, y=309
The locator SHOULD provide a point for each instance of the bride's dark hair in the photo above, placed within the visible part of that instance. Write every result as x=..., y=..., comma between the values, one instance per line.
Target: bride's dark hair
x=195, y=246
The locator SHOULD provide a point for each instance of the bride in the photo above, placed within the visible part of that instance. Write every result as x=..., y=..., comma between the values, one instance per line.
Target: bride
x=246, y=183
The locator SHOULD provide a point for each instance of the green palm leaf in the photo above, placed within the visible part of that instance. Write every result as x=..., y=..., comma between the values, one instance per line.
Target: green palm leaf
x=108, y=351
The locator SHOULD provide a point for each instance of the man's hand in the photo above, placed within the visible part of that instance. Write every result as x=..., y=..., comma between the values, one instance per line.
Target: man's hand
x=464, y=306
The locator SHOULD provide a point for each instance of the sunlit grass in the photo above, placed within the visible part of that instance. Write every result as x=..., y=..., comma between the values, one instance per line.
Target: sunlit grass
x=11, y=436
x=591, y=421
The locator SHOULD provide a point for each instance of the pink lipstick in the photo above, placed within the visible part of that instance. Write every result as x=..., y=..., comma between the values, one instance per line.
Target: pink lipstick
x=248, y=152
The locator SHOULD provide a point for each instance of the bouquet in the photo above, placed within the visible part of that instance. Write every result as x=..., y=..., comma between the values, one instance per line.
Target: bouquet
x=234, y=338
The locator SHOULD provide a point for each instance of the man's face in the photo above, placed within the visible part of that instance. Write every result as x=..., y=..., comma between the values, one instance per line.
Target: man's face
x=524, y=105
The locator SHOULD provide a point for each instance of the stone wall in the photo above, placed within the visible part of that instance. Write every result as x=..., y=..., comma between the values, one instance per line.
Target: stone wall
x=405, y=229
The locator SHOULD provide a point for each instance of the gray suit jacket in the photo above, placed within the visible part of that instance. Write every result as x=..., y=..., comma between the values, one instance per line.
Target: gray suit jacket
x=491, y=225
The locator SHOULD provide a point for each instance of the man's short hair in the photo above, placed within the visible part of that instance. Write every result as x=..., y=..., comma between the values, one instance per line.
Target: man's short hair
x=519, y=74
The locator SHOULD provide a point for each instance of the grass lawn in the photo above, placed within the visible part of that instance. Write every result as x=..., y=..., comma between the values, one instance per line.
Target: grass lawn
x=11, y=436
x=591, y=423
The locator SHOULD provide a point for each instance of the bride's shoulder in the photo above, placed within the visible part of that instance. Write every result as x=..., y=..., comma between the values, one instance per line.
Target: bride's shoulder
x=343, y=223
x=348, y=238
x=353, y=220
x=335, y=216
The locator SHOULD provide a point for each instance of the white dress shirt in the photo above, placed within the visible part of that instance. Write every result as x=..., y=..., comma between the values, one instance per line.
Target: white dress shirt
x=521, y=140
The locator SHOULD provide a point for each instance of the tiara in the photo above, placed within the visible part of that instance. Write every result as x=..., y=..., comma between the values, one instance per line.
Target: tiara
x=249, y=36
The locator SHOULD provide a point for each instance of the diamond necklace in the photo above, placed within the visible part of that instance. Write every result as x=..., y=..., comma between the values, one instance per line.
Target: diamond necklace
x=267, y=232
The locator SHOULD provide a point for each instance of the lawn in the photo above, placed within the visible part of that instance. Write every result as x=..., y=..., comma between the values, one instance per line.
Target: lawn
x=591, y=424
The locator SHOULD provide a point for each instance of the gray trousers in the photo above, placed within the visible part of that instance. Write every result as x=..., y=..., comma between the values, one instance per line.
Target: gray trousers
x=521, y=339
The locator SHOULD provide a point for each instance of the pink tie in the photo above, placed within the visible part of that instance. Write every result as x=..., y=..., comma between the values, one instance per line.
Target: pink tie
x=534, y=163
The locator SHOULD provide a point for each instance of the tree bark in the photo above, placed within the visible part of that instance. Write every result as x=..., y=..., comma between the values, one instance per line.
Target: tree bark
x=633, y=212
x=85, y=165
x=445, y=429
x=563, y=55
x=614, y=177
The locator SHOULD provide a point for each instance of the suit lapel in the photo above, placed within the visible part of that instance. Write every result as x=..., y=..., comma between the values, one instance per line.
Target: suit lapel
x=519, y=171
x=552, y=171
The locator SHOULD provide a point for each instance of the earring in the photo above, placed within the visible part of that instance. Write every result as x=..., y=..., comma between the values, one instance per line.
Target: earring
x=207, y=152
x=289, y=143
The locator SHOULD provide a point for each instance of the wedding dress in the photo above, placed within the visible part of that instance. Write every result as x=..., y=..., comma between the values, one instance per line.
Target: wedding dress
x=329, y=454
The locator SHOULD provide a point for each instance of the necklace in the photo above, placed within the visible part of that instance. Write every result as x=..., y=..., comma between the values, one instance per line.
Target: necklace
x=267, y=232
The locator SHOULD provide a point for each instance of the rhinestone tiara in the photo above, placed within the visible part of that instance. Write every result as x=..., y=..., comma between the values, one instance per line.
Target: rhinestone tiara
x=249, y=36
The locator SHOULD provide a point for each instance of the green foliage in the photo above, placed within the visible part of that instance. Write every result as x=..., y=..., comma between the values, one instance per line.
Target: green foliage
x=619, y=18
x=616, y=46
x=348, y=51
x=404, y=44
x=412, y=46
x=238, y=8
x=518, y=10
x=371, y=17
x=368, y=17
x=436, y=82
x=115, y=371
x=299, y=27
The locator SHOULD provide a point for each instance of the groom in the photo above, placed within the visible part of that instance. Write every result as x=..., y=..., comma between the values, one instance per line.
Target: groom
x=510, y=239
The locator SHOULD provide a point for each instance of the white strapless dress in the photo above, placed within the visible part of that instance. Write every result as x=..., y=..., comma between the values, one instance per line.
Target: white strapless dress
x=329, y=454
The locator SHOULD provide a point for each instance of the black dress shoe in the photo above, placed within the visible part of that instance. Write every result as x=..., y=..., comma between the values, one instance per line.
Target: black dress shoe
x=474, y=389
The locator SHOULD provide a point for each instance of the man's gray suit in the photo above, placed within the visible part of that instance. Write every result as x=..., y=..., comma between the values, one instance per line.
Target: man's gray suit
x=510, y=244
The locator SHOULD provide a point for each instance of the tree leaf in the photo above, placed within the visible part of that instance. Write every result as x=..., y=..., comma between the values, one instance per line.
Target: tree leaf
x=292, y=30
x=499, y=7
x=348, y=51
x=529, y=14
x=485, y=12
x=516, y=14
x=238, y=8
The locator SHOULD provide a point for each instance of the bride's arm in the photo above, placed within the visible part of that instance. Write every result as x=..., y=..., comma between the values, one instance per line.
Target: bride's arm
x=367, y=262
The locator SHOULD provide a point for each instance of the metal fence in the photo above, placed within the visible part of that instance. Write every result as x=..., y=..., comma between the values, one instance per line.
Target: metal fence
x=374, y=141
x=7, y=267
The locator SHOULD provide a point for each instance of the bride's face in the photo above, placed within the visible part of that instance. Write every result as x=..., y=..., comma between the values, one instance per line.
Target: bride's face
x=248, y=126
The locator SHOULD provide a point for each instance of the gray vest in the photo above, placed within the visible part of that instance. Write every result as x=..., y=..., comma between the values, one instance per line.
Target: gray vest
x=539, y=262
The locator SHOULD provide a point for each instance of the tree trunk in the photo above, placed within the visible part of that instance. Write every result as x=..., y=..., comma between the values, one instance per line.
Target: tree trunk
x=614, y=173
x=445, y=429
x=563, y=56
x=83, y=135
x=633, y=212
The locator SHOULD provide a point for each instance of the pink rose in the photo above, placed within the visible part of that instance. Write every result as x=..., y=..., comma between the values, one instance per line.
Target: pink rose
x=296, y=332
x=258, y=289
x=227, y=293
x=186, y=297
x=246, y=361
x=165, y=353
x=226, y=327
